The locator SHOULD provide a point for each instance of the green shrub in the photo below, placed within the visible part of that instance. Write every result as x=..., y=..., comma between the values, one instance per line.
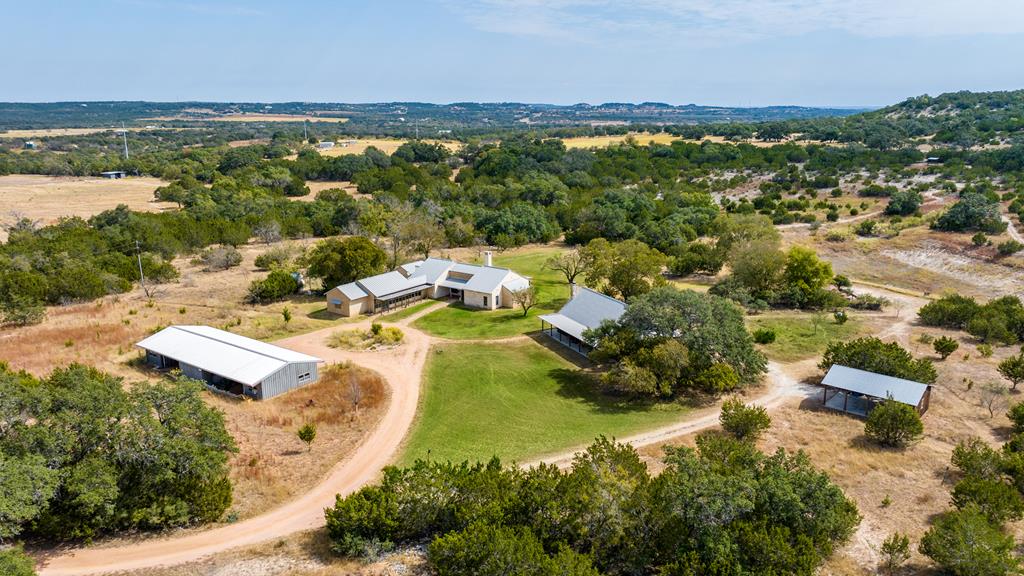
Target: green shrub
x=744, y=422
x=14, y=562
x=964, y=543
x=1009, y=247
x=893, y=424
x=944, y=346
x=840, y=317
x=764, y=335
x=895, y=552
x=276, y=286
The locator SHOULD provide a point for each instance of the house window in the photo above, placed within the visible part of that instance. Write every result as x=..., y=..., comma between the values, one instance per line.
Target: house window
x=485, y=301
x=304, y=377
x=335, y=302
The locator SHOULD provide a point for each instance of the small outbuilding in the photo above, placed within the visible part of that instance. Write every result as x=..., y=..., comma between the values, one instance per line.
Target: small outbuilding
x=229, y=362
x=856, y=391
x=586, y=310
x=114, y=174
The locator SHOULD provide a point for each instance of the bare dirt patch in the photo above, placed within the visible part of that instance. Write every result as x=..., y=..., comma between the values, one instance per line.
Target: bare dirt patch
x=47, y=198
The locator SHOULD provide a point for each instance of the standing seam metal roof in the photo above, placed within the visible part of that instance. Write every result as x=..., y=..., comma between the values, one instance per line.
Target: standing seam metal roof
x=875, y=385
x=228, y=355
x=586, y=310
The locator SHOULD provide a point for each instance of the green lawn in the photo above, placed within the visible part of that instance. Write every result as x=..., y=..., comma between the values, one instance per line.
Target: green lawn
x=461, y=323
x=516, y=400
x=406, y=312
x=796, y=336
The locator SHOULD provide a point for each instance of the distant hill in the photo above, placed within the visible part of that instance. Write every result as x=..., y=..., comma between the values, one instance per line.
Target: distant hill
x=460, y=115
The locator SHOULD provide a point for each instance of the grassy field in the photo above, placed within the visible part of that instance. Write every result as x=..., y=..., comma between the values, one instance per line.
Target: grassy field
x=467, y=323
x=797, y=337
x=515, y=400
x=47, y=198
x=403, y=314
x=602, y=141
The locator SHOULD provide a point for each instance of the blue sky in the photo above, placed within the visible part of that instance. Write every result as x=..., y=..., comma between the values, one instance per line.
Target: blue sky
x=726, y=52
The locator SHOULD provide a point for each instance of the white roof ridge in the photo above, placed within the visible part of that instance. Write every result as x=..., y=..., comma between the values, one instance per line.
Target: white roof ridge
x=185, y=328
x=602, y=294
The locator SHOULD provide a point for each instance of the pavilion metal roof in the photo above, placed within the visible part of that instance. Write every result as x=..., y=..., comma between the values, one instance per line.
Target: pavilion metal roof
x=874, y=385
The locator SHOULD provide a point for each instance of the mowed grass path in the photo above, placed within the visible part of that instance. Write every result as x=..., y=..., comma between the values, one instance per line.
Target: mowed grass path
x=797, y=338
x=516, y=400
x=460, y=323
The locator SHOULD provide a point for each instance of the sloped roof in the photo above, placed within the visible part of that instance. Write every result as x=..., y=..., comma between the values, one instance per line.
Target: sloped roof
x=228, y=355
x=352, y=291
x=434, y=269
x=485, y=279
x=586, y=310
x=390, y=283
x=409, y=268
x=874, y=385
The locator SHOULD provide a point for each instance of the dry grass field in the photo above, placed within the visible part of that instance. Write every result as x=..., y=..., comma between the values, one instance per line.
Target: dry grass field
x=386, y=145
x=47, y=198
x=44, y=132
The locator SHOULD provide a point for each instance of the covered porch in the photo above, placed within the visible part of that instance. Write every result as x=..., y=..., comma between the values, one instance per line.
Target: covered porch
x=565, y=338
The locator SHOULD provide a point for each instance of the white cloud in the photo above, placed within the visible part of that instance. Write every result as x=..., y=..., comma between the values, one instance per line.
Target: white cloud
x=732, y=20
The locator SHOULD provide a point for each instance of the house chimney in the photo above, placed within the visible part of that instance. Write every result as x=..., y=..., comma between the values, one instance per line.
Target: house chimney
x=488, y=258
x=573, y=289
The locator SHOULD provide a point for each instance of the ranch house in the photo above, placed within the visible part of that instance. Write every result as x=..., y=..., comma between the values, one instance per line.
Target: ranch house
x=487, y=287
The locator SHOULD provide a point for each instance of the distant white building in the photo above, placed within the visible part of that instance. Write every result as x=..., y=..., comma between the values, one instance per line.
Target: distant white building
x=325, y=145
x=487, y=287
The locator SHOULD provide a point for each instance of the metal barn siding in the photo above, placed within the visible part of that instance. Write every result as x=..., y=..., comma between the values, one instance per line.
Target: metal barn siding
x=192, y=371
x=288, y=378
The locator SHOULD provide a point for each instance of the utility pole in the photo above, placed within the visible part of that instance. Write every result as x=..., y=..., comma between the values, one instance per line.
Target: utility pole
x=142, y=277
x=124, y=134
x=305, y=135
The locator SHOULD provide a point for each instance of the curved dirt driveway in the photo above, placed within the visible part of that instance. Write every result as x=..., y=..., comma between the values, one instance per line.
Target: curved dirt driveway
x=400, y=367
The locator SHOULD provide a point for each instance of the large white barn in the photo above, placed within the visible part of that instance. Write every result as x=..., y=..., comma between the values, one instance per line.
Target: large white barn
x=229, y=362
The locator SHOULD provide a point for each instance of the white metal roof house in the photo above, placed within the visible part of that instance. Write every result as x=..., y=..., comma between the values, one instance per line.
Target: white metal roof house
x=479, y=286
x=586, y=310
x=856, y=391
x=229, y=362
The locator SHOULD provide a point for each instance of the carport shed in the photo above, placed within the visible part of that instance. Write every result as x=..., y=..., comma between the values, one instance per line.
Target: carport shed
x=856, y=391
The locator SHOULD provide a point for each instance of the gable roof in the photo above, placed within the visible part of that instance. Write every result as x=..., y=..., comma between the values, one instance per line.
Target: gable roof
x=390, y=283
x=219, y=352
x=875, y=385
x=352, y=291
x=586, y=310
